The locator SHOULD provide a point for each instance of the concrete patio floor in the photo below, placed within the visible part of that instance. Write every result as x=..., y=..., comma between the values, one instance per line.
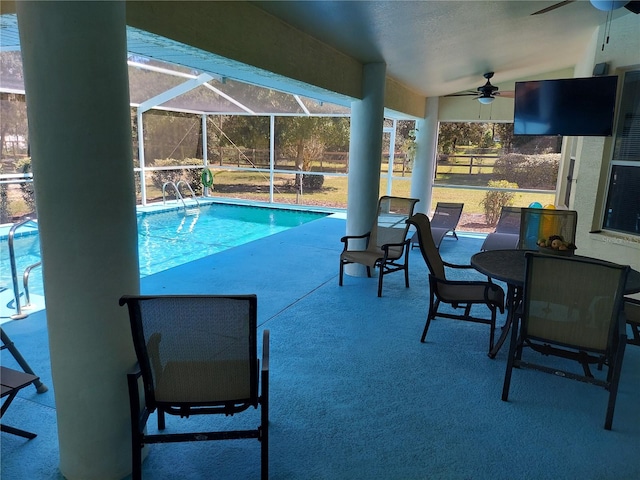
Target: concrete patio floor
x=354, y=394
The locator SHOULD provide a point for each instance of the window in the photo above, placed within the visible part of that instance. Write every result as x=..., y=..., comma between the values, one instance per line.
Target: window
x=622, y=210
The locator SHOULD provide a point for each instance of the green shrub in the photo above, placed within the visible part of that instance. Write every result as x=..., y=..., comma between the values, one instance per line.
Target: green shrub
x=529, y=171
x=189, y=175
x=312, y=182
x=26, y=189
x=494, y=200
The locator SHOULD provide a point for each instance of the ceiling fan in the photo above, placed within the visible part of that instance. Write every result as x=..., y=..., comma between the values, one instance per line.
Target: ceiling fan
x=486, y=93
x=606, y=5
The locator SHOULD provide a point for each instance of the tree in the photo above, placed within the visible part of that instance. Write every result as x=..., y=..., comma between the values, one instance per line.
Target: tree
x=13, y=110
x=306, y=138
x=504, y=134
x=453, y=134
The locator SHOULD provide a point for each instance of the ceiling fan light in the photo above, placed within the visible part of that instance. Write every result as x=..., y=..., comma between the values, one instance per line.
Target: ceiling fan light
x=486, y=100
x=608, y=5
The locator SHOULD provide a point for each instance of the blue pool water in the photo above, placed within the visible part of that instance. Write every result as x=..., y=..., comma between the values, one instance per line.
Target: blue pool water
x=169, y=238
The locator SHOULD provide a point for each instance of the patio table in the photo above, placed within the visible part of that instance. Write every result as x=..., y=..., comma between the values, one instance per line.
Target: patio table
x=509, y=266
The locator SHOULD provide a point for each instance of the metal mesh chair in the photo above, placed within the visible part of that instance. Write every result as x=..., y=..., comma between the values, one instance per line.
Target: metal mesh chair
x=571, y=309
x=537, y=223
x=632, y=312
x=387, y=246
x=457, y=293
x=507, y=232
x=196, y=355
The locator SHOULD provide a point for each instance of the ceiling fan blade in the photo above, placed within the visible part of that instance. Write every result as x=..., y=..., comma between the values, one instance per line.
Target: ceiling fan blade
x=506, y=93
x=463, y=94
x=553, y=7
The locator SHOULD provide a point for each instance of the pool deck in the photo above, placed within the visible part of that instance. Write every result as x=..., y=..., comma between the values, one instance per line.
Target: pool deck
x=354, y=394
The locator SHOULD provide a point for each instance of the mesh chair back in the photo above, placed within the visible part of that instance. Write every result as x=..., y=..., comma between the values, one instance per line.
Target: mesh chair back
x=427, y=246
x=196, y=350
x=572, y=301
x=447, y=215
x=391, y=225
x=537, y=223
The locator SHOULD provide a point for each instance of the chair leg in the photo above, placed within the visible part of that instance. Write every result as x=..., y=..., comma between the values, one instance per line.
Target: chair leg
x=510, y=361
x=161, y=423
x=492, y=328
x=433, y=309
x=426, y=328
x=341, y=273
x=406, y=267
x=613, y=385
x=136, y=456
x=380, y=281
x=406, y=275
x=264, y=428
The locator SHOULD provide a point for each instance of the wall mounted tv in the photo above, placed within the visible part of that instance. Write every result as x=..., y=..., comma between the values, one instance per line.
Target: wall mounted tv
x=572, y=106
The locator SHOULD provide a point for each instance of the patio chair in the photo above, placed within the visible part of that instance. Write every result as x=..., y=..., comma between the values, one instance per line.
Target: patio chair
x=457, y=293
x=632, y=312
x=196, y=355
x=445, y=220
x=571, y=309
x=11, y=382
x=507, y=232
x=387, y=246
x=537, y=223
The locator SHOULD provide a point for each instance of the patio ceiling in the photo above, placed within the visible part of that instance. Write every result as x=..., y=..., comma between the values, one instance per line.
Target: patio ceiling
x=434, y=48
x=158, y=84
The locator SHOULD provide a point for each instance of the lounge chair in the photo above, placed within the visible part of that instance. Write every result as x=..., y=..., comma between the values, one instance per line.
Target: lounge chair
x=456, y=293
x=445, y=220
x=507, y=232
x=572, y=309
x=387, y=246
x=196, y=355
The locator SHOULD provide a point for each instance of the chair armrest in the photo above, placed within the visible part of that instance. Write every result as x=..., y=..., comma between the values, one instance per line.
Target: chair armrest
x=487, y=286
x=387, y=246
x=346, y=239
x=454, y=265
x=139, y=411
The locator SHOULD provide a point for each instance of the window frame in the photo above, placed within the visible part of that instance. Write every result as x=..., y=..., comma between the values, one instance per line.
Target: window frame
x=619, y=162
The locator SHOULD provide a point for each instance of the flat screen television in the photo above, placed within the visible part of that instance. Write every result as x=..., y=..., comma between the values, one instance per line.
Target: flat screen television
x=568, y=107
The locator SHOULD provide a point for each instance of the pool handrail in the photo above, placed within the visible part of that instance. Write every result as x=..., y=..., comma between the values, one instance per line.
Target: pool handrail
x=14, y=270
x=179, y=196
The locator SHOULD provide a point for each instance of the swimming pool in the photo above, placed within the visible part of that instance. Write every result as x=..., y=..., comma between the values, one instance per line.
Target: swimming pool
x=168, y=237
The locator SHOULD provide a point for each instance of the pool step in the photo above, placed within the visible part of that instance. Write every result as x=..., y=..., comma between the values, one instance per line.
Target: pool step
x=8, y=302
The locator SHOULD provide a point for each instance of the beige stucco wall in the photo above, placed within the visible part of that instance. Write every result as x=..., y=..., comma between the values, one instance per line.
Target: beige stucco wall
x=594, y=153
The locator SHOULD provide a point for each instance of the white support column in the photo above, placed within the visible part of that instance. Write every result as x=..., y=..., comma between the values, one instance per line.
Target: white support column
x=141, y=159
x=425, y=159
x=75, y=74
x=272, y=154
x=365, y=156
x=392, y=155
x=205, y=153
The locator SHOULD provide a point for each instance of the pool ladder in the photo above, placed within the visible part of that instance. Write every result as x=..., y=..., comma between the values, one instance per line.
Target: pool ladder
x=14, y=273
x=176, y=186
